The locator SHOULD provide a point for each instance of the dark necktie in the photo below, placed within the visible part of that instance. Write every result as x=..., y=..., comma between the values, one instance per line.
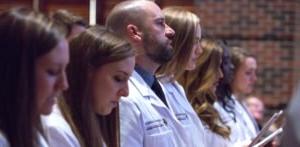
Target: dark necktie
x=158, y=91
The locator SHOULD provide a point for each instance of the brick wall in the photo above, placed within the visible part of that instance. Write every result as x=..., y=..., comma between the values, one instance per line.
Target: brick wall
x=297, y=44
x=269, y=28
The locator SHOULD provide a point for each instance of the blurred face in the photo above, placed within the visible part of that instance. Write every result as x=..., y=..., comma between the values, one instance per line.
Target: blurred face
x=256, y=107
x=245, y=76
x=51, y=77
x=109, y=83
x=196, y=51
x=157, y=35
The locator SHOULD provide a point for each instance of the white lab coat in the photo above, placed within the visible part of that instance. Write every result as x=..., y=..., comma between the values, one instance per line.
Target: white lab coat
x=215, y=140
x=59, y=131
x=145, y=121
x=241, y=131
x=3, y=140
x=42, y=141
x=248, y=122
x=193, y=133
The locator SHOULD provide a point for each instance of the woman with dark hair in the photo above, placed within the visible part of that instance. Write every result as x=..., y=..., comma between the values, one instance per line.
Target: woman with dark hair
x=100, y=66
x=35, y=55
x=200, y=86
x=239, y=78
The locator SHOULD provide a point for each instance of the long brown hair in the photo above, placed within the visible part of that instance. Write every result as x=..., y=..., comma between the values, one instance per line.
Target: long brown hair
x=26, y=35
x=185, y=25
x=90, y=50
x=198, y=86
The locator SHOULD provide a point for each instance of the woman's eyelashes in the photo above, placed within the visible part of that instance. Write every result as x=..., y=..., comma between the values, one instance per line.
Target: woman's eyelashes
x=55, y=71
x=121, y=78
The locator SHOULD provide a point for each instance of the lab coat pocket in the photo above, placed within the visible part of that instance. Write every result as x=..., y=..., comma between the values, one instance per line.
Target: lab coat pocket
x=158, y=133
x=183, y=119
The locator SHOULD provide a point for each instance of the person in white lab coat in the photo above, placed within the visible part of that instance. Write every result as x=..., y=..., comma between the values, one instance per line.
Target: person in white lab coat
x=239, y=78
x=100, y=66
x=186, y=51
x=147, y=119
x=200, y=85
x=33, y=64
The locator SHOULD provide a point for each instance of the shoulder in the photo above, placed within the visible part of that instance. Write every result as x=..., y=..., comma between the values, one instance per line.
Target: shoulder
x=224, y=115
x=59, y=131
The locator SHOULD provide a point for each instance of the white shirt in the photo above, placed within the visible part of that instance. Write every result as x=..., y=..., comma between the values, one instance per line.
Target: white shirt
x=193, y=133
x=145, y=121
x=59, y=131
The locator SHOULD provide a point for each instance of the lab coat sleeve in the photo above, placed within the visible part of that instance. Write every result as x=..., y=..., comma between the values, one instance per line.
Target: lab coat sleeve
x=131, y=128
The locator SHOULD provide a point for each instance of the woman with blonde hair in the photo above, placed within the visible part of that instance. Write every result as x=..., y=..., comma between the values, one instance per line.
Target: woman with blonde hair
x=87, y=115
x=186, y=51
x=200, y=86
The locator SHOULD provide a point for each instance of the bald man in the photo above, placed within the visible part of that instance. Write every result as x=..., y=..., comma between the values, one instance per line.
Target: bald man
x=146, y=118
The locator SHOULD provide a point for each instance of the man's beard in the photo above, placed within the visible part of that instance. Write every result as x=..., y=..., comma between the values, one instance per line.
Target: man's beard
x=157, y=51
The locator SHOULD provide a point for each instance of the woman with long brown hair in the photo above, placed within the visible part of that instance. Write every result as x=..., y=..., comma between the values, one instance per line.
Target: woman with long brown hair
x=100, y=66
x=240, y=82
x=35, y=55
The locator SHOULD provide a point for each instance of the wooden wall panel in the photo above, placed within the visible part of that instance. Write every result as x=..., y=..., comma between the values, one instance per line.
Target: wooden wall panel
x=80, y=10
x=77, y=7
x=7, y=4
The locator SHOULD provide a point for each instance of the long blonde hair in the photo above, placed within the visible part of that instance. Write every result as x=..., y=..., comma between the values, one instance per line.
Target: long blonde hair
x=185, y=25
x=199, y=83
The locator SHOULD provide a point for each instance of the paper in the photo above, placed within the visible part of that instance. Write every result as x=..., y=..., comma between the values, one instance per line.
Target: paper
x=269, y=138
x=266, y=127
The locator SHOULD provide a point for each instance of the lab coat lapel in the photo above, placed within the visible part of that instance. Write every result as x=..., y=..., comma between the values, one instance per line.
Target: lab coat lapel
x=146, y=91
x=176, y=94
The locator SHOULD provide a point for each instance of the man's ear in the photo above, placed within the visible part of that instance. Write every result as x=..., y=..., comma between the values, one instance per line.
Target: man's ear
x=134, y=33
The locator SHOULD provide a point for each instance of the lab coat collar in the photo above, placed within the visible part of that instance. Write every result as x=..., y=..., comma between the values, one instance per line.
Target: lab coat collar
x=145, y=90
x=175, y=93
